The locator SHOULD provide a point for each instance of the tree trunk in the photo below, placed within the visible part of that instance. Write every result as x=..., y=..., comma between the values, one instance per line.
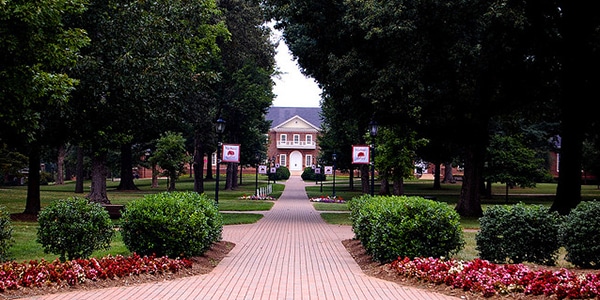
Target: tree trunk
x=209, y=167
x=80, y=171
x=126, y=171
x=469, y=203
x=99, y=173
x=579, y=62
x=172, y=179
x=126, y=183
x=33, y=203
x=351, y=179
x=60, y=165
x=436, y=177
x=384, y=188
x=448, y=177
x=154, y=176
x=568, y=190
x=231, y=177
x=399, y=186
x=198, y=165
x=364, y=179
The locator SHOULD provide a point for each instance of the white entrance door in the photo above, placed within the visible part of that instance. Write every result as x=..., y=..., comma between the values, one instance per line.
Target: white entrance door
x=296, y=161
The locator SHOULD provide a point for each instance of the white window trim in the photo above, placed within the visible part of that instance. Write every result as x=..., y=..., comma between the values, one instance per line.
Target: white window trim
x=308, y=160
x=308, y=139
x=296, y=139
x=282, y=160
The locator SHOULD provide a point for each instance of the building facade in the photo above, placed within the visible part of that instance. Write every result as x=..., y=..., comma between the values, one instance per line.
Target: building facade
x=293, y=137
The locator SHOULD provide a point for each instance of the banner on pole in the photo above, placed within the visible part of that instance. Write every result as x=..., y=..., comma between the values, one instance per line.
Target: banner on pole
x=231, y=153
x=360, y=154
x=262, y=169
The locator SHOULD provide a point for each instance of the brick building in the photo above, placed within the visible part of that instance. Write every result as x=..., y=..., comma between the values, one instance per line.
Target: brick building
x=293, y=136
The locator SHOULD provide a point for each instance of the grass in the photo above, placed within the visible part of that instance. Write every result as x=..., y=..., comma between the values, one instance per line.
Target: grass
x=26, y=248
x=236, y=211
x=543, y=194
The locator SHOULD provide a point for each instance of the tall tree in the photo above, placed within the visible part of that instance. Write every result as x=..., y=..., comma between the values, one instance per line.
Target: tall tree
x=160, y=67
x=579, y=60
x=245, y=89
x=36, y=46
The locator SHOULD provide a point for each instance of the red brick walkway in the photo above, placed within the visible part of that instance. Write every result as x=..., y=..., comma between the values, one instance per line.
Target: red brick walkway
x=291, y=253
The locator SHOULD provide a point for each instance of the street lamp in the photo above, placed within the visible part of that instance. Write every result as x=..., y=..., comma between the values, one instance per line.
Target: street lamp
x=373, y=132
x=257, y=157
x=219, y=128
x=334, y=156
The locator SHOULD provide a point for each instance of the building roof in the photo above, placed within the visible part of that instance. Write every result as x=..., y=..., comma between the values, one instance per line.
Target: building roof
x=279, y=115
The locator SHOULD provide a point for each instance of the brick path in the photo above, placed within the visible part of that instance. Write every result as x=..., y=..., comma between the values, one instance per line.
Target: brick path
x=291, y=253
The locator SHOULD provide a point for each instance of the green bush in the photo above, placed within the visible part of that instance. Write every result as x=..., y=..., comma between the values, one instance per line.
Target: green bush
x=519, y=233
x=74, y=228
x=6, y=238
x=361, y=210
x=400, y=226
x=579, y=235
x=309, y=174
x=282, y=173
x=176, y=224
x=46, y=178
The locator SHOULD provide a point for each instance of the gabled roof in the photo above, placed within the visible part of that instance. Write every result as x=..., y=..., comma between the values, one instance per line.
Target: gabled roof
x=280, y=115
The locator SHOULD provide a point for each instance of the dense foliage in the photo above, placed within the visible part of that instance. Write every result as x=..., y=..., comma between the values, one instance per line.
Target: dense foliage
x=579, y=235
x=398, y=226
x=6, y=237
x=310, y=174
x=74, y=228
x=282, y=173
x=175, y=224
x=519, y=233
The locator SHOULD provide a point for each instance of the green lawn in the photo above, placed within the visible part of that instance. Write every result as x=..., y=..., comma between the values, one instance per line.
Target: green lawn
x=238, y=211
x=25, y=233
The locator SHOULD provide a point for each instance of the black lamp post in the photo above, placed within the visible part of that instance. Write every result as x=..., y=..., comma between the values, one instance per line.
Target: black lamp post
x=257, y=157
x=219, y=128
x=373, y=132
x=334, y=156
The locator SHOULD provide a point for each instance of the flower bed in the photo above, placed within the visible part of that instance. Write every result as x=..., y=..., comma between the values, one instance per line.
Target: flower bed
x=258, y=197
x=328, y=199
x=488, y=279
x=35, y=273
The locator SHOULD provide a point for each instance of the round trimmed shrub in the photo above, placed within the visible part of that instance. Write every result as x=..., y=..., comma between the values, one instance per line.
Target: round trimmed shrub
x=6, y=238
x=519, y=233
x=309, y=174
x=74, y=228
x=282, y=173
x=400, y=226
x=174, y=224
x=579, y=235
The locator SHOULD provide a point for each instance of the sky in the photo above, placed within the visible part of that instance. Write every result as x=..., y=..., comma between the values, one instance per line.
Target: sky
x=292, y=88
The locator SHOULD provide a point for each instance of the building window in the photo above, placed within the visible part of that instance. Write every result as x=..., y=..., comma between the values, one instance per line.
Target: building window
x=296, y=139
x=283, y=138
x=309, y=160
x=282, y=160
x=309, y=139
